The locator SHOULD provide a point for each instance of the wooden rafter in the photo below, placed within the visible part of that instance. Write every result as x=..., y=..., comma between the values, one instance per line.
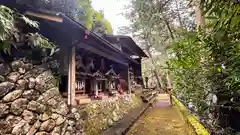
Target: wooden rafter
x=79, y=64
x=90, y=66
x=99, y=52
x=98, y=75
x=111, y=73
x=44, y=16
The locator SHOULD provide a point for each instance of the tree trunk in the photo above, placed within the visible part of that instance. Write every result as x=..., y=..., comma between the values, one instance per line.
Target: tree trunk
x=199, y=17
x=158, y=79
x=154, y=69
x=169, y=82
x=178, y=15
x=166, y=22
x=169, y=29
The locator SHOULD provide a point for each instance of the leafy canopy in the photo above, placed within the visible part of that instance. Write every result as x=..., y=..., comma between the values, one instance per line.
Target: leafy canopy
x=205, y=64
x=80, y=10
x=10, y=35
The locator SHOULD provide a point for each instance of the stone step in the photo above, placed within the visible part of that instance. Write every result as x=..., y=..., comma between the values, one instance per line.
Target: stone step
x=163, y=100
x=163, y=96
x=83, y=101
x=162, y=104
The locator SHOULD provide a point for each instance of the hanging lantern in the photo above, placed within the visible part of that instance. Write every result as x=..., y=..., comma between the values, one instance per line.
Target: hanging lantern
x=86, y=34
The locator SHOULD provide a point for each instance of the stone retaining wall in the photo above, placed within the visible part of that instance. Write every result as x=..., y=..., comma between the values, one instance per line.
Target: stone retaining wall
x=103, y=114
x=30, y=102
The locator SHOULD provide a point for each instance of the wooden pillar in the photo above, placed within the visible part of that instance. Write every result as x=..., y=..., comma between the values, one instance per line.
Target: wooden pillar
x=146, y=82
x=71, y=76
x=129, y=81
x=64, y=60
x=126, y=76
x=95, y=87
x=169, y=82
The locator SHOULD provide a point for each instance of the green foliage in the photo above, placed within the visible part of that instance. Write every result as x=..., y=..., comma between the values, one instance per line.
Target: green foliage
x=153, y=22
x=188, y=67
x=5, y=47
x=7, y=27
x=80, y=10
x=206, y=63
x=155, y=25
x=10, y=35
x=28, y=21
x=187, y=55
x=100, y=24
x=86, y=18
x=93, y=20
x=37, y=40
x=107, y=25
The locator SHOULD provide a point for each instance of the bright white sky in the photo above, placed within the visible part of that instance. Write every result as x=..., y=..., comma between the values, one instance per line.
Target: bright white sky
x=112, y=11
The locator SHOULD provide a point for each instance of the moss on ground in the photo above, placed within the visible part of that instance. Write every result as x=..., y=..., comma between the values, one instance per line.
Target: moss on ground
x=194, y=126
x=160, y=121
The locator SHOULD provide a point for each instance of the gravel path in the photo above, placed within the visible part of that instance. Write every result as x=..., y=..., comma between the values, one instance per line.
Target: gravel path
x=159, y=121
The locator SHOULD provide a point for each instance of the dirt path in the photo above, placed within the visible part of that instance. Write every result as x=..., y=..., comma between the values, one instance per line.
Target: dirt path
x=159, y=121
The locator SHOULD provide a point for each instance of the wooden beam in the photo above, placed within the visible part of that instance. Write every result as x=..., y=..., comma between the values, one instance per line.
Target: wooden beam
x=99, y=52
x=129, y=81
x=45, y=16
x=129, y=49
x=116, y=54
x=64, y=60
x=71, y=76
x=125, y=74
